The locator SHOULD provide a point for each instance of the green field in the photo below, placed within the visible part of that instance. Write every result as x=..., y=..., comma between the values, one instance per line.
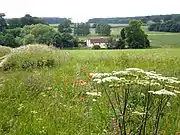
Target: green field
x=47, y=100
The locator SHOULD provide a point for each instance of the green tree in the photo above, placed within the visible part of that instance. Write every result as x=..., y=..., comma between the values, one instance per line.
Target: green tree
x=167, y=18
x=144, y=20
x=135, y=36
x=177, y=19
x=29, y=20
x=156, y=19
x=14, y=23
x=122, y=34
x=65, y=27
x=3, y=23
x=29, y=39
x=15, y=32
x=103, y=29
x=65, y=40
x=81, y=29
x=43, y=34
x=7, y=40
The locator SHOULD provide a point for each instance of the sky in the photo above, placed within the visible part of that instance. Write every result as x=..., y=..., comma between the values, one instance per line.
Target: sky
x=82, y=10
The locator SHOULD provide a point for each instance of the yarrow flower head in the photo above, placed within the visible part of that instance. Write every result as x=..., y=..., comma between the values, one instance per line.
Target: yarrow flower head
x=120, y=73
x=134, y=69
x=110, y=79
x=94, y=93
x=99, y=75
x=177, y=92
x=138, y=113
x=163, y=92
x=97, y=80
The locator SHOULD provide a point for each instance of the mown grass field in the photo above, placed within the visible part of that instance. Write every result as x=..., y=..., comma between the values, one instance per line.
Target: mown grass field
x=48, y=101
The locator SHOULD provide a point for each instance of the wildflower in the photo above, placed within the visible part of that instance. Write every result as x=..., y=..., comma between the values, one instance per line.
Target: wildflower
x=97, y=80
x=34, y=112
x=90, y=77
x=171, y=81
x=143, y=82
x=83, y=70
x=110, y=79
x=49, y=88
x=155, y=84
x=20, y=107
x=162, y=92
x=138, y=113
x=94, y=93
x=116, y=85
x=120, y=73
x=73, y=81
x=177, y=92
x=134, y=69
x=94, y=100
x=168, y=104
x=43, y=94
x=81, y=82
x=100, y=75
x=82, y=98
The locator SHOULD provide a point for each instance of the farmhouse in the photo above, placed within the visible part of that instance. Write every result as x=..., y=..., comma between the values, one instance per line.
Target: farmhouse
x=97, y=41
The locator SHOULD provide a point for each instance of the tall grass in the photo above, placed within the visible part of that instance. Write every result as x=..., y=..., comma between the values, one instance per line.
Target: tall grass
x=54, y=100
x=4, y=50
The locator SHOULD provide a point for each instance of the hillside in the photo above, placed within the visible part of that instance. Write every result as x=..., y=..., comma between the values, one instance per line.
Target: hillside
x=125, y=20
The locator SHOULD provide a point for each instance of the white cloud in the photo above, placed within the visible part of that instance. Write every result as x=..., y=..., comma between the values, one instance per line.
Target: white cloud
x=82, y=10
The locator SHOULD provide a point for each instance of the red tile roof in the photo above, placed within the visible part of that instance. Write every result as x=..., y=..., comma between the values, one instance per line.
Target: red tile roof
x=99, y=40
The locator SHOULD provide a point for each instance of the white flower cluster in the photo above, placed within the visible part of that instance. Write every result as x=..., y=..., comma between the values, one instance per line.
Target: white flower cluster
x=100, y=75
x=138, y=113
x=136, y=76
x=94, y=93
x=162, y=92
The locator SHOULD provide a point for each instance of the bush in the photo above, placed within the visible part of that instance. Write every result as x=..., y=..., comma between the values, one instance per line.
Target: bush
x=28, y=39
x=32, y=57
x=96, y=47
x=7, y=40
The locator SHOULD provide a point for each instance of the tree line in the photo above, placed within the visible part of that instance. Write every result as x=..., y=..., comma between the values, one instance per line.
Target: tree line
x=168, y=26
x=126, y=20
x=33, y=30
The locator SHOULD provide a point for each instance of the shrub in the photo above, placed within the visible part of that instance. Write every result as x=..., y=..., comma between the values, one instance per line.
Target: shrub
x=96, y=47
x=32, y=57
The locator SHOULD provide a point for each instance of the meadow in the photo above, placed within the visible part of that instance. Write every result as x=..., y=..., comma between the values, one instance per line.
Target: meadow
x=45, y=92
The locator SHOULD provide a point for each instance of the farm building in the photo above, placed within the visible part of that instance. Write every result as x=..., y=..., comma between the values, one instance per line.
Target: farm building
x=97, y=41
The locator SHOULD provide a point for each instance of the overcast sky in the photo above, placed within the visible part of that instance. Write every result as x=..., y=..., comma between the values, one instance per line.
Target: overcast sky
x=82, y=10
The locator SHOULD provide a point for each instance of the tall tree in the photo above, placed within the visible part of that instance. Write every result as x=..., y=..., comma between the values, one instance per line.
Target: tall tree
x=156, y=19
x=103, y=29
x=65, y=27
x=14, y=23
x=144, y=20
x=135, y=36
x=3, y=23
x=81, y=29
x=167, y=18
